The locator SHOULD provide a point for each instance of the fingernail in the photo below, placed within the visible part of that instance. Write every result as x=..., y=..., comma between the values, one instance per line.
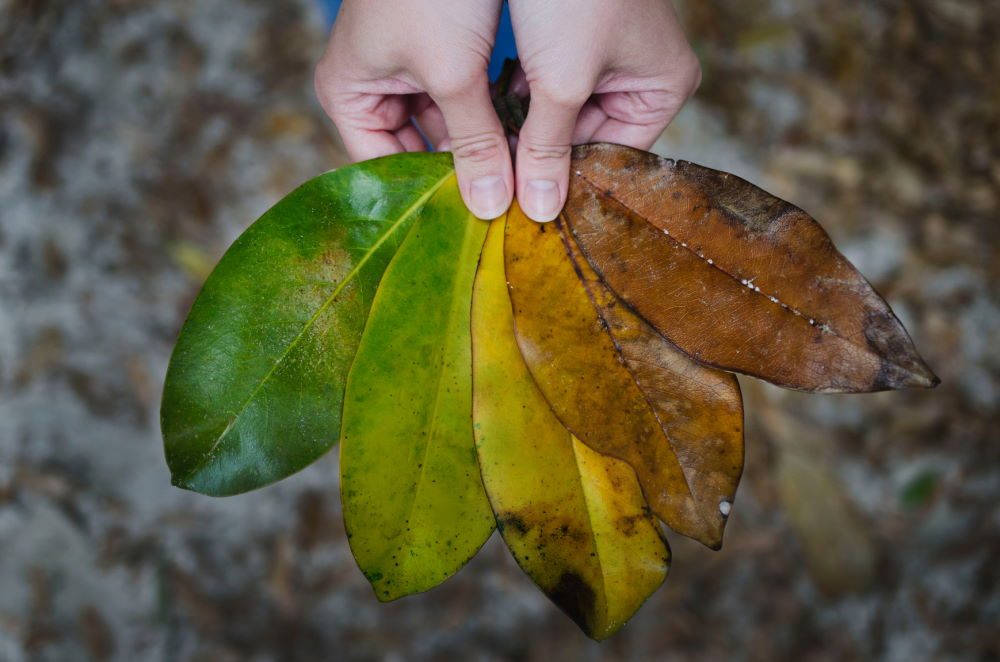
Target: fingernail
x=541, y=199
x=489, y=197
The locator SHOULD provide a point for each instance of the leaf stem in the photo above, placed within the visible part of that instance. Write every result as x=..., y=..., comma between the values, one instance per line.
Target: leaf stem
x=511, y=108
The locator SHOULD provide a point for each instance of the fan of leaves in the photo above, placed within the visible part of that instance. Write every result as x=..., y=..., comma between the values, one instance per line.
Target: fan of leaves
x=568, y=383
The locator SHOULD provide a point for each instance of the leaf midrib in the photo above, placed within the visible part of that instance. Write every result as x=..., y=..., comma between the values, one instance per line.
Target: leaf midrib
x=738, y=281
x=564, y=232
x=432, y=424
x=593, y=531
x=409, y=211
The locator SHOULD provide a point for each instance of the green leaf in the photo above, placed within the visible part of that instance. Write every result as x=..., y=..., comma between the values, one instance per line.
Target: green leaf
x=255, y=385
x=413, y=500
x=575, y=520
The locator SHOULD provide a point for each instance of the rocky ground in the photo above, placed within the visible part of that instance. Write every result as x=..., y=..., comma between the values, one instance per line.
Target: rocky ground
x=138, y=138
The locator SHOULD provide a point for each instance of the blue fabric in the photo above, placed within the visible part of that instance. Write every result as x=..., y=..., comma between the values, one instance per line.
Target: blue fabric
x=503, y=49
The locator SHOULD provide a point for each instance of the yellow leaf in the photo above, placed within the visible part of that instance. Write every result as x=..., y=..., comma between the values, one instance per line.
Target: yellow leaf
x=575, y=520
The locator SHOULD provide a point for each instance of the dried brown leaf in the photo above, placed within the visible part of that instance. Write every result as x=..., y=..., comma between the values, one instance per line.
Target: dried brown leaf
x=620, y=387
x=735, y=277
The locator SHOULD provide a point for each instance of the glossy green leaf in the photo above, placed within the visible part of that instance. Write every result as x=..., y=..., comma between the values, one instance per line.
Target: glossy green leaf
x=413, y=500
x=255, y=385
x=575, y=520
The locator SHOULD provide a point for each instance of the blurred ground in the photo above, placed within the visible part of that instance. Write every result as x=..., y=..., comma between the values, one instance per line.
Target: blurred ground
x=138, y=138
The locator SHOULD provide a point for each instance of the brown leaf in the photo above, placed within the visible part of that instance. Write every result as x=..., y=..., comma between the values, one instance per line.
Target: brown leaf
x=735, y=277
x=620, y=387
x=838, y=543
x=97, y=636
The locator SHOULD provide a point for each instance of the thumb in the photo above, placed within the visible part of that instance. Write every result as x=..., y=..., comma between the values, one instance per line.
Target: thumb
x=479, y=146
x=543, y=152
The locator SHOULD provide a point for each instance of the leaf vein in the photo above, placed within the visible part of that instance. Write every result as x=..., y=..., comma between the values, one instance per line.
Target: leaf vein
x=393, y=227
x=747, y=283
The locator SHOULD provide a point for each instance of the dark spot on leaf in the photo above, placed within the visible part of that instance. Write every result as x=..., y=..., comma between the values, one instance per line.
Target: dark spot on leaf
x=900, y=366
x=626, y=525
x=505, y=520
x=575, y=598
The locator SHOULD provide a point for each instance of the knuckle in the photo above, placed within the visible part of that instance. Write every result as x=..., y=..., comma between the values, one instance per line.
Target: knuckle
x=480, y=148
x=544, y=153
x=650, y=107
x=562, y=94
x=689, y=72
x=452, y=83
x=320, y=82
x=324, y=81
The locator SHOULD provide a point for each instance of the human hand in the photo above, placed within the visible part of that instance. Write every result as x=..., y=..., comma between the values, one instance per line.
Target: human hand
x=391, y=62
x=597, y=71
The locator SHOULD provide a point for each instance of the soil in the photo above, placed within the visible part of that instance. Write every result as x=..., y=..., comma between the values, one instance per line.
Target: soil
x=139, y=138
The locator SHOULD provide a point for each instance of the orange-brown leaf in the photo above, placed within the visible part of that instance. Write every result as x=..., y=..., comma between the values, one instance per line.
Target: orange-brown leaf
x=735, y=277
x=620, y=387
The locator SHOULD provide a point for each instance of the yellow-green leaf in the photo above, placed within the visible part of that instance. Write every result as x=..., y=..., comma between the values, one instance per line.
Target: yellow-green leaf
x=413, y=500
x=575, y=520
x=622, y=388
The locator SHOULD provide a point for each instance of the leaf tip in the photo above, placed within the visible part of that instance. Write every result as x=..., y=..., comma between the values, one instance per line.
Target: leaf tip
x=926, y=377
x=181, y=481
x=385, y=596
x=198, y=483
x=916, y=374
x=710, y=539
x=577, y=599
x=926, y=380
x=709, y=531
